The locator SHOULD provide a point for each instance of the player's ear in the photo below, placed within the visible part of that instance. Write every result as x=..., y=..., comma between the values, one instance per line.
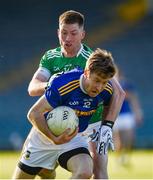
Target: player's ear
x=86, y=72
x=83, y=34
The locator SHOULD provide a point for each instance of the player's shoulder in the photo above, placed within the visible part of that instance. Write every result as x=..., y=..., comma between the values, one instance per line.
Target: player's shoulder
x=85, y=51
x=70, y=75
x=87, y=48
x=53, y=53
x=68, y=79
x=109, y=88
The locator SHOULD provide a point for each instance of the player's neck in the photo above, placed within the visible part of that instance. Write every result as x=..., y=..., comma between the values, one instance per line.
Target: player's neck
x=75, y=53
x=69, y=55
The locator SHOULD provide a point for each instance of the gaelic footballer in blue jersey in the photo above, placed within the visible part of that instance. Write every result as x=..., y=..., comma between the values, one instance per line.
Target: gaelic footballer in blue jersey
x=69, y=90
x=82, y=91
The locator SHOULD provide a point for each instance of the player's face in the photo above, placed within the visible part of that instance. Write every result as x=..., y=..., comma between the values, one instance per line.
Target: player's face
x=94, y=84
x=70, y=38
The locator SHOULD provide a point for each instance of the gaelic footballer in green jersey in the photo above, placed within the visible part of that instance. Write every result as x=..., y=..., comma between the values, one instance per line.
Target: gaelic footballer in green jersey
x=53, y=61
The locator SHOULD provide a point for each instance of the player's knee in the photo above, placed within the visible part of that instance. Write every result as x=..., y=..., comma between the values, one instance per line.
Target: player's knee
x=84, y=174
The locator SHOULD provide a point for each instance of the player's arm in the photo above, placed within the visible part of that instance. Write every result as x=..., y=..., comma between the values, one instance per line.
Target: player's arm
x=111, y=112
x=37, y=119
x=38, y=83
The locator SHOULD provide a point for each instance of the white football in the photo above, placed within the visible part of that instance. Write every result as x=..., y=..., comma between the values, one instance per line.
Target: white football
x=61, y=118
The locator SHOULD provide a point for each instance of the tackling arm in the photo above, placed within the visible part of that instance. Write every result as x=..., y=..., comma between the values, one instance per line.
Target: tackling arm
x=111, y=112
x=37, y=84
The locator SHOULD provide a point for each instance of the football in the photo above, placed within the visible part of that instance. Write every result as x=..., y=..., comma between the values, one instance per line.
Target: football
x=61, y=118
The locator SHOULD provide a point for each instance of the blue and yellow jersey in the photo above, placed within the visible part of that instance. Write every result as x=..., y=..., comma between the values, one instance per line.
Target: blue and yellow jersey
x=65, y=90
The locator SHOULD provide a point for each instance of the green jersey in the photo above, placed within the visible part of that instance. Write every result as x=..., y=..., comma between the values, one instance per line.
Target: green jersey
x=54, y=62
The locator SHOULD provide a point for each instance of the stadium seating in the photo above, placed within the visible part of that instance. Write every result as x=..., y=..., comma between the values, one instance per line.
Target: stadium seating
x=29, y=29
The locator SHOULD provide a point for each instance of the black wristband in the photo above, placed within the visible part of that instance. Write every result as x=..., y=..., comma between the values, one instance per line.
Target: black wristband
x=108, y=123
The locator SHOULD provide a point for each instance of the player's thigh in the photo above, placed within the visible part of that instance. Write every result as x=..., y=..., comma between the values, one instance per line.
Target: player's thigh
x=80, y=163
x=19, y=174
x=71, y=158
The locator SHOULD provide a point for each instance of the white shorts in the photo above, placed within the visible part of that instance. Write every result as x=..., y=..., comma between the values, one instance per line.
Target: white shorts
x=38, y=151
x=124, y=122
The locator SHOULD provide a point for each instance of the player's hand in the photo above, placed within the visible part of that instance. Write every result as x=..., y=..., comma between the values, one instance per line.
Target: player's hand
x=105, y=140
x=65, y=136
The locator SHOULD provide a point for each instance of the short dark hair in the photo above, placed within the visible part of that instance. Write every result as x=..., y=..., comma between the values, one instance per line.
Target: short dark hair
x=101, y=62
x=72, y=17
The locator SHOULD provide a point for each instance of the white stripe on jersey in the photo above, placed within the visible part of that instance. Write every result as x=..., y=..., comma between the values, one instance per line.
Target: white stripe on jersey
x=79, y=52
x=85, y=54
x=52, y=54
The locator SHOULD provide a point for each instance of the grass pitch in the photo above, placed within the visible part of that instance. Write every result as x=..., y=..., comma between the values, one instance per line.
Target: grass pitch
x=140, y=167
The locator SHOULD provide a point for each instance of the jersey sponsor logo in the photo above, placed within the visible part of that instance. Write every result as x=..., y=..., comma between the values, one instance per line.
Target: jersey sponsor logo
x=56, y=69
x=67, y=67
x=84, y=113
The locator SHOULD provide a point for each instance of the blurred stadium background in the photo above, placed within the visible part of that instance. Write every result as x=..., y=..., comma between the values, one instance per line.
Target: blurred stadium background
x=29, y=28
